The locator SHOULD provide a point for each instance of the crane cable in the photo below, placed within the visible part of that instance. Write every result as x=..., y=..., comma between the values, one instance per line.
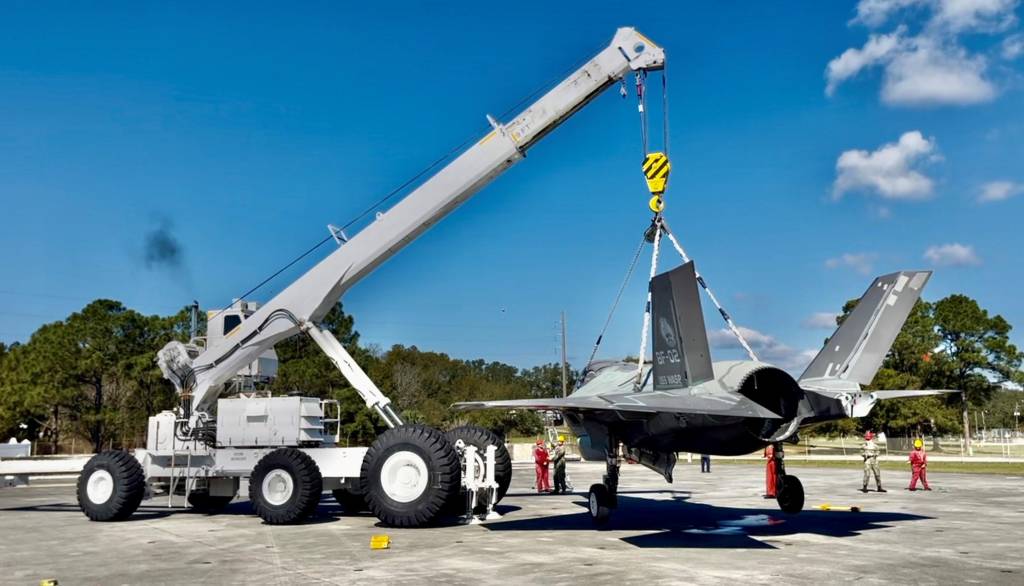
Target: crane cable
x=659, y=225
x=548, y=84
x=700, y=280
x=647, y=306
x=615, y=304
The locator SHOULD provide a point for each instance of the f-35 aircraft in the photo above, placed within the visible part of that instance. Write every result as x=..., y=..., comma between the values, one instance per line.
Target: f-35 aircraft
x=683, y=402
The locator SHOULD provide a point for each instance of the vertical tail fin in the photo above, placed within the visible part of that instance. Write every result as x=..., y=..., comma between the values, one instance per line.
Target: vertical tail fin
x=681, y=354
x=856, y=350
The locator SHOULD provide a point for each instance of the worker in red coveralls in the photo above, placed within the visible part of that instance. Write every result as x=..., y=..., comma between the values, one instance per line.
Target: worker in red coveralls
x=918, y=465
x=540, y=459
x=769, y=473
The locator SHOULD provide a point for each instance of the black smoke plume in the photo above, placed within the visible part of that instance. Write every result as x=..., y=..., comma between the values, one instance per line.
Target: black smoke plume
x=162, y=249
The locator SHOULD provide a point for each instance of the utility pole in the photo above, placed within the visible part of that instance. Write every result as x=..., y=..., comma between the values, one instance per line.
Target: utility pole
x=565, y=373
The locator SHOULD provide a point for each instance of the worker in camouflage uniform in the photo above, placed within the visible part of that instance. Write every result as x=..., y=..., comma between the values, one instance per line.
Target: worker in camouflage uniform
x=559, y=461
x=869, y=451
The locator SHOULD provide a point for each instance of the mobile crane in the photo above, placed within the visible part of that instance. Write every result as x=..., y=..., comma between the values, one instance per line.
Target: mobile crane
x=209, y=445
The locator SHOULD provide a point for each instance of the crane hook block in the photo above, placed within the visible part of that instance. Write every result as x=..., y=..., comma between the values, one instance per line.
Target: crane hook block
x=656, y=168
x=656, y=204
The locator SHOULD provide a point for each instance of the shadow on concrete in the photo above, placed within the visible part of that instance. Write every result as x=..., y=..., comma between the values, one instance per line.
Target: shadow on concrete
x=328, y=511
x=680, y=523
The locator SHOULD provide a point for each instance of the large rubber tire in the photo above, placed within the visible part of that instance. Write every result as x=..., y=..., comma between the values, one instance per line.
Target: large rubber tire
x=791, y=495
x=204, y=502
x=111, y=486
x=351, y=503
x=285, y=487
x=480, y=438
x=408, y=475
x=599, y=504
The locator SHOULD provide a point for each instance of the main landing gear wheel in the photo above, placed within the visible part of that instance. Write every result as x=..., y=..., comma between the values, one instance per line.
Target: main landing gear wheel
x=599, y=502
x=351, y=502
x=791, y=495
x=408, y=475
x=285, y=486
x=204, y=502
x=480, y=438
x=111, y=486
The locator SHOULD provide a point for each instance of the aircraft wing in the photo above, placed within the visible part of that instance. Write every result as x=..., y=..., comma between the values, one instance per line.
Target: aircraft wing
x=647, y=402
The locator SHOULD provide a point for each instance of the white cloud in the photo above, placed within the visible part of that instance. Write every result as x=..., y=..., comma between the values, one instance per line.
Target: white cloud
x=999, y=190
x=932, y=72
x=852, y=61
x=765, y=346
x=862, y=262
x=877, y=12
x=890, y=171
x=952, y=255
x=974, y=15
x=1013, y=47
x=822, y=320
x=931, y=66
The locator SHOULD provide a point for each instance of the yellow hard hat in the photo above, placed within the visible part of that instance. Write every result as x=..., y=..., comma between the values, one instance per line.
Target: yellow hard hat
x=561, y=438
x=918, y=443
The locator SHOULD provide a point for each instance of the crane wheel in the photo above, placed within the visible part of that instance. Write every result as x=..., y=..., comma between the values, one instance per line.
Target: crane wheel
x=111, y=486
x=203, y=502
x=791, y=495
x=285, y=486
x=351, y=502
x=480, y=438
x=408, y=475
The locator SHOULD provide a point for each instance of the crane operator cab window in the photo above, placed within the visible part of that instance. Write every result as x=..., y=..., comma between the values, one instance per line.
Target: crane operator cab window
x=231, y=322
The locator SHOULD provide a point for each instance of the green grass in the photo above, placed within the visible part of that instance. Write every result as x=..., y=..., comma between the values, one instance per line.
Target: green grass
x=1006, y=468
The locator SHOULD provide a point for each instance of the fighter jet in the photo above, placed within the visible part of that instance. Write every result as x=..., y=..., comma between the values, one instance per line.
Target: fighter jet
x=681, y=401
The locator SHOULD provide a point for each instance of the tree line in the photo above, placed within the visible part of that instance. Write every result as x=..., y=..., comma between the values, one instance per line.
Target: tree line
x=92, y=377
x=952, y=343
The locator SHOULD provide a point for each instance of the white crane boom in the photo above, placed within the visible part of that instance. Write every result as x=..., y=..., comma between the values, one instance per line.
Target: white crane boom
x=305, y=302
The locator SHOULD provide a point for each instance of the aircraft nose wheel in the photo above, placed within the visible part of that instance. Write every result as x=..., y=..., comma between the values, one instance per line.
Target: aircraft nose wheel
x=791, y=495
x=599, y=502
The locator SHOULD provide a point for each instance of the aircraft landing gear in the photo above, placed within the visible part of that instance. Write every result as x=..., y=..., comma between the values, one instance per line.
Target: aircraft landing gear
x=790, y=491
x=604, y=497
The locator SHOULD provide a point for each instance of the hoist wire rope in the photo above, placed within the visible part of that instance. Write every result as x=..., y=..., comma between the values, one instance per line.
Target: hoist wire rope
x=448, y=155
x=615, y=303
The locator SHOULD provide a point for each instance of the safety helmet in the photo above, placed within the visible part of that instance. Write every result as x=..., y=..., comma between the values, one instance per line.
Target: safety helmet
x=868, y=436
x=918, y=443
x=561, y=438
x=540, y=442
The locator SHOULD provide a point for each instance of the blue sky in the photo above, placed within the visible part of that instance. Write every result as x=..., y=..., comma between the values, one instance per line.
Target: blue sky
x=814, y=145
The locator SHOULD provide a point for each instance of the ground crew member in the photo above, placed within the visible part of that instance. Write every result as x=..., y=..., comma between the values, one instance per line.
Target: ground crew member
x=559, y=462
x=869, y=451
x=540, y=460
x=918, y=465
x=770, y=472
x=705, y=463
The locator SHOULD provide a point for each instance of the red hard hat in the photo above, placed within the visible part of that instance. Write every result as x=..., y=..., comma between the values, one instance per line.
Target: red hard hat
x=868, y=435
x=540, y=442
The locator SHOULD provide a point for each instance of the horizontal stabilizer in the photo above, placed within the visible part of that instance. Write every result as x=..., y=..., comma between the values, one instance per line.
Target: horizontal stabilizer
x=855, y=403
x=856, y=350
x=647, y=402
